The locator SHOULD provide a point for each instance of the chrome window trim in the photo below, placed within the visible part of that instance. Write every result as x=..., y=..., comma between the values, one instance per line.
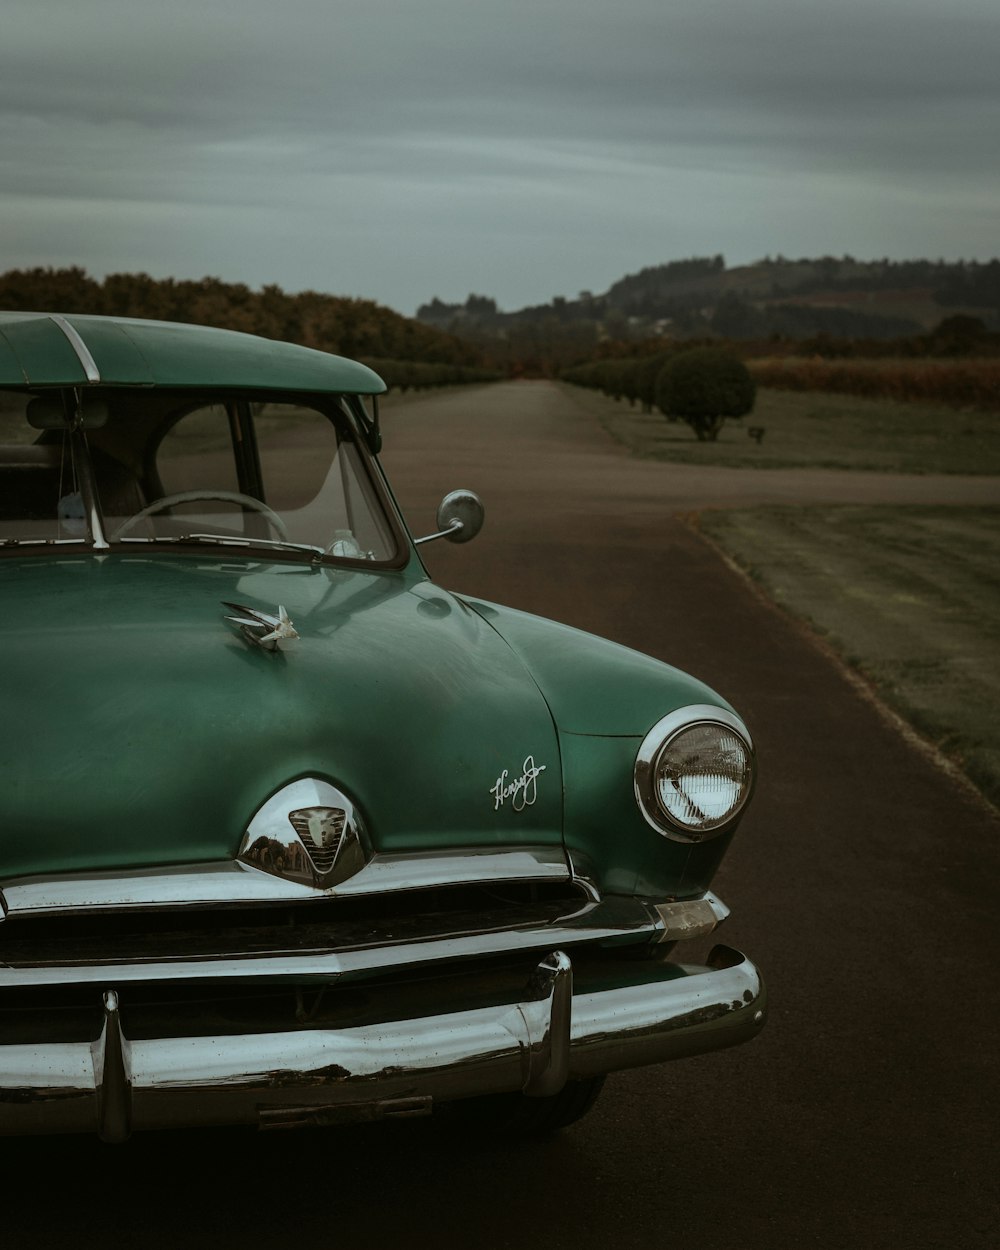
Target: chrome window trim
x=88, y=489
x=229, y=883
x=645, y=761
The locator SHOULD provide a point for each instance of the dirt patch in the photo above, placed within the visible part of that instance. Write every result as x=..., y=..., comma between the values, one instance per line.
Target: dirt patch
x=909, y=596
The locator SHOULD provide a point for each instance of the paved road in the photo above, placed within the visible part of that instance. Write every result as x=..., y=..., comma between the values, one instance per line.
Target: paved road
x=863, y=882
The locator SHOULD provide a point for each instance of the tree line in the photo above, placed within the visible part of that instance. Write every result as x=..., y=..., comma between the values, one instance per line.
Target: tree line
x=331, y=323
x=950, y=370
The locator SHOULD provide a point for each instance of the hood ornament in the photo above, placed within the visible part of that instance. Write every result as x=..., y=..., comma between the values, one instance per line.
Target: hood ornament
x=261, y=628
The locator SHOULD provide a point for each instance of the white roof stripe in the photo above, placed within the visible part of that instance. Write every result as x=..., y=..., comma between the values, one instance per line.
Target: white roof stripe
x=80, y=347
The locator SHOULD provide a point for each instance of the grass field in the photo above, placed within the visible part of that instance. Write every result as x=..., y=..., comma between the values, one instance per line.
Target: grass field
x=909, y=596
x=816, y=430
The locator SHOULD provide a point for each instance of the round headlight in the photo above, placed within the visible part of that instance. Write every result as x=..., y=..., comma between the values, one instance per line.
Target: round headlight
x=694, y=772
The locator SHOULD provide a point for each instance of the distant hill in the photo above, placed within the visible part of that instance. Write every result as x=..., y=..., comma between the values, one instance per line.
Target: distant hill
x=700, y=297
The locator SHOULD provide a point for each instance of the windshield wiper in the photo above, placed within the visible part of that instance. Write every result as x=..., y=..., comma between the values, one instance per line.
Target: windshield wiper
x=229, y=541
x=43, y=542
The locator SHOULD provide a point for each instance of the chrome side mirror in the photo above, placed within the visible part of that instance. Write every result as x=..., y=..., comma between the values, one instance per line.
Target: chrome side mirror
x=459, y=518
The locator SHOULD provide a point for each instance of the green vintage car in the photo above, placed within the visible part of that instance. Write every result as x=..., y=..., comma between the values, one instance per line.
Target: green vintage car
x=288, y=834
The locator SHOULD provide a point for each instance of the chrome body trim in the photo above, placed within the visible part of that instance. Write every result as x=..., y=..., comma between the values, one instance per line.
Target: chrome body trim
x=229, y=883
x=593, y=923
x=613, y=919
x=90, y=369
x=645, y=761
x=316, y=1075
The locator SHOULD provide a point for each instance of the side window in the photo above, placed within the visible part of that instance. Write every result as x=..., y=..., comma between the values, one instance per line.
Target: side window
x=14, y=427
x=39, y=493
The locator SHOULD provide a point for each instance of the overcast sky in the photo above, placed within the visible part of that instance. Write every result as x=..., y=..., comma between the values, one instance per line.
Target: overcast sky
x=401, y=149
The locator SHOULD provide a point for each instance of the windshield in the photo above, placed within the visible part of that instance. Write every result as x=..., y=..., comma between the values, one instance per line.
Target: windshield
x=159, y=467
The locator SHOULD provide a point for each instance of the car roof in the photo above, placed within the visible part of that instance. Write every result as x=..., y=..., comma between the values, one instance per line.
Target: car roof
x=51, y=349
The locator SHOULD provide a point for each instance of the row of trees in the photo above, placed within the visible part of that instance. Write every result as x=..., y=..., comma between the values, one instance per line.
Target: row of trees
x=348, y=327
x=954, y=337
x=961, y=382
x=702, y=386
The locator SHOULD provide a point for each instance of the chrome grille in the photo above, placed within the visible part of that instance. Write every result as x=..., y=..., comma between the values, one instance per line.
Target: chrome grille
x=329, y=824
x=324, y=925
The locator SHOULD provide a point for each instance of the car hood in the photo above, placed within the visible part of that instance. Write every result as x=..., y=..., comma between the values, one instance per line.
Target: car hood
x=141, y=729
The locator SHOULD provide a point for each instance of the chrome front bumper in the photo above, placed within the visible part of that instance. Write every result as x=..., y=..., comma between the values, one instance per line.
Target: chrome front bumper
x=312, y=1075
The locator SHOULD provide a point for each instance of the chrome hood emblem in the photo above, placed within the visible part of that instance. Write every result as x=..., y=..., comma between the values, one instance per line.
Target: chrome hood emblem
x=321, y=831
x=261, y=628
x=324, y=825
x=308, y=832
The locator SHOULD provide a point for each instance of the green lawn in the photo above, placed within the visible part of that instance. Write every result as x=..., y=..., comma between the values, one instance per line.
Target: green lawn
x=816, y=430
x=910, y=596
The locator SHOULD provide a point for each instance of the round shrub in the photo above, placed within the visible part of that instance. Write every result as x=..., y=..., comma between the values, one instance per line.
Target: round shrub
x=703, y=387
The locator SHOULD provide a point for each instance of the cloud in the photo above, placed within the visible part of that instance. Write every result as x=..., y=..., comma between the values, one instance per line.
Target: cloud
x=242, y=121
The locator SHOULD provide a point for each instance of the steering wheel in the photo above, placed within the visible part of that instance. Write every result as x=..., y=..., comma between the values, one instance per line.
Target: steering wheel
x=195, y=496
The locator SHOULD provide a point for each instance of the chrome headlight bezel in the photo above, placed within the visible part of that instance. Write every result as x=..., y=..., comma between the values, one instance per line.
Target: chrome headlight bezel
x=650, y=753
